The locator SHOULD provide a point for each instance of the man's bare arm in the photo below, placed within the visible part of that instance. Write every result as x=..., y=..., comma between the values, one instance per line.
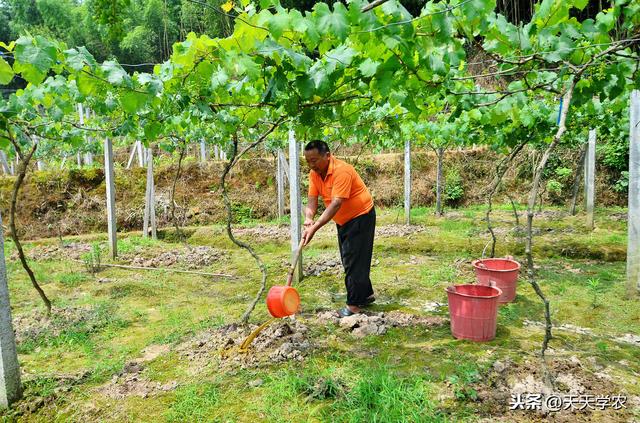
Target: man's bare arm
x=324, y=218
x=310, y=211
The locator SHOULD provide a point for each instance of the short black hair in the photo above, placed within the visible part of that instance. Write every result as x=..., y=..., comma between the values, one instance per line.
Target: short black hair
x=319, y=145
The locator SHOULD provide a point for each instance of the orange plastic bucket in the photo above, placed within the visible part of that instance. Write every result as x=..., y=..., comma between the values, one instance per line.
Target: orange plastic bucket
x=282, y=301
x=501, y=271
x=473, y=310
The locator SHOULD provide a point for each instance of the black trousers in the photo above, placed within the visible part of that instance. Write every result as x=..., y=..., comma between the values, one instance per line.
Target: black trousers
x=355, y=239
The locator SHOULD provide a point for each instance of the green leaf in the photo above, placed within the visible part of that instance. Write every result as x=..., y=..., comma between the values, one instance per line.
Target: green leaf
x=332, y=23
x=152, y=130
x=8, y=47
x=605, y=21
x=132, y=101
x=41, y=56
x=87, y=85
x=368, y=68
x=6, y=73
x=580, y=4
x=78, y=59
x=305, y=86
x=114, y=72
x=341, y=56
x=278, y=24
x=219, y=78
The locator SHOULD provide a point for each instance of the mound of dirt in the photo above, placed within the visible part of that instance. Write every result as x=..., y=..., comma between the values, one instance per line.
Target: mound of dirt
x=73, y=250
x=283, y=340
x=398, y=230
x=32, y=400
x=325, y=264
x=362, y=324
x=262, y=232
x=507, y=383
x=316, y=267
x=36, y=324
x=132, y=382
x=192, y=258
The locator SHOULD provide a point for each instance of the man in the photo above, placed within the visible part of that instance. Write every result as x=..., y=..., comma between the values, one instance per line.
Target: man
x=349, y=203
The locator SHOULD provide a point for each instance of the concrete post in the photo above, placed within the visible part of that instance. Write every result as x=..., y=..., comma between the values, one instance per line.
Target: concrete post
x=10, y=389
x=111, y=197
x=295, y=201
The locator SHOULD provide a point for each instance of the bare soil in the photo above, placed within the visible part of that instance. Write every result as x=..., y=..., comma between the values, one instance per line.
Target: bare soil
x=191, y=258
x=563, y=376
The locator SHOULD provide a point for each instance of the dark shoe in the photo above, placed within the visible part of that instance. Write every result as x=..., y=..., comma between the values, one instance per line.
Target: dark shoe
x=345, y=312
x=370, y=300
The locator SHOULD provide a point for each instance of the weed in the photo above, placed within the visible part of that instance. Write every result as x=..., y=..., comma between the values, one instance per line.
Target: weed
x=132, y=243
x=379, y=396
x=194, y=402
x=92, y=260
x=464, y=375
x=71, y=280
x=242, y=214
x=595, y=288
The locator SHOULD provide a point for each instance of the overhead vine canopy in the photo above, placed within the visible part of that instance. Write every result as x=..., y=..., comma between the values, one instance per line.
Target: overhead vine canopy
x=331, y=64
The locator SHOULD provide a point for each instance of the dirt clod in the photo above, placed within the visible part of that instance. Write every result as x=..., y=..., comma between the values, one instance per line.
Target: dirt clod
x=399, y=230
x=191, y=258
x=566, y=377
x=281, y=341
x=132, y=382
x=363, y=324
x=73, y=250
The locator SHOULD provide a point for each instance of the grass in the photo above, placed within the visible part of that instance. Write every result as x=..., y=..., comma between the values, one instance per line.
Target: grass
x=409, y=374
x=194, y=402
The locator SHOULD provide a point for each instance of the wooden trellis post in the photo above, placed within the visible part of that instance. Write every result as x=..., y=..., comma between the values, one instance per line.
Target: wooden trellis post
x=590, y=180
x=295, y=201
x=407, y=182
x=10, y=389
x=111, y=197
x=150, y=200
x=633, y=222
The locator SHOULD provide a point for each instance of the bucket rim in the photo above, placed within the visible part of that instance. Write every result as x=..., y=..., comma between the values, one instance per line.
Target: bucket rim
x=451, y=289
x=474, y=263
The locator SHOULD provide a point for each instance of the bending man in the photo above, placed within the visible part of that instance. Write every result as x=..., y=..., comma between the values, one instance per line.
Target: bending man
x=349, y=203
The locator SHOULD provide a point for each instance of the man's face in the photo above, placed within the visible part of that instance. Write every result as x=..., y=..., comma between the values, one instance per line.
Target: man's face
x=316, y=161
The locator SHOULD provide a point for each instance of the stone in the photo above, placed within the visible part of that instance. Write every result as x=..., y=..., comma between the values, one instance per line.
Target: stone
x=255, y=383
x=350, y=321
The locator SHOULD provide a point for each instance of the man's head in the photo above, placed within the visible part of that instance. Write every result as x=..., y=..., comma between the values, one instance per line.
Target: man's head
x=317, y=154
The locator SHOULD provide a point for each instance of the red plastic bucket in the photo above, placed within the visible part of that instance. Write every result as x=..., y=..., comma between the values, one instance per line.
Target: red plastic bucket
x=473, y=310
x=501, y=271
x=282, y=301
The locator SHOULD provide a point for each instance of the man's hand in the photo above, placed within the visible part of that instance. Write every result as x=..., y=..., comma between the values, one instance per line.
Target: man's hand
x=308, y=223
x=308, y=234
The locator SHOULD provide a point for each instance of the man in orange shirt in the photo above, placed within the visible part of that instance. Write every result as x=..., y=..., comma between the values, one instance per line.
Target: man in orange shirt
x=349, y=203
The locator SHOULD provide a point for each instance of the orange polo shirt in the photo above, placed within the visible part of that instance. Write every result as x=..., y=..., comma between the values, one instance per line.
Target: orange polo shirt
x=342, y=181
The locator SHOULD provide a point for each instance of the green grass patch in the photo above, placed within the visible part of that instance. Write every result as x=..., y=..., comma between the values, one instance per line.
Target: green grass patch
x=195, y=402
